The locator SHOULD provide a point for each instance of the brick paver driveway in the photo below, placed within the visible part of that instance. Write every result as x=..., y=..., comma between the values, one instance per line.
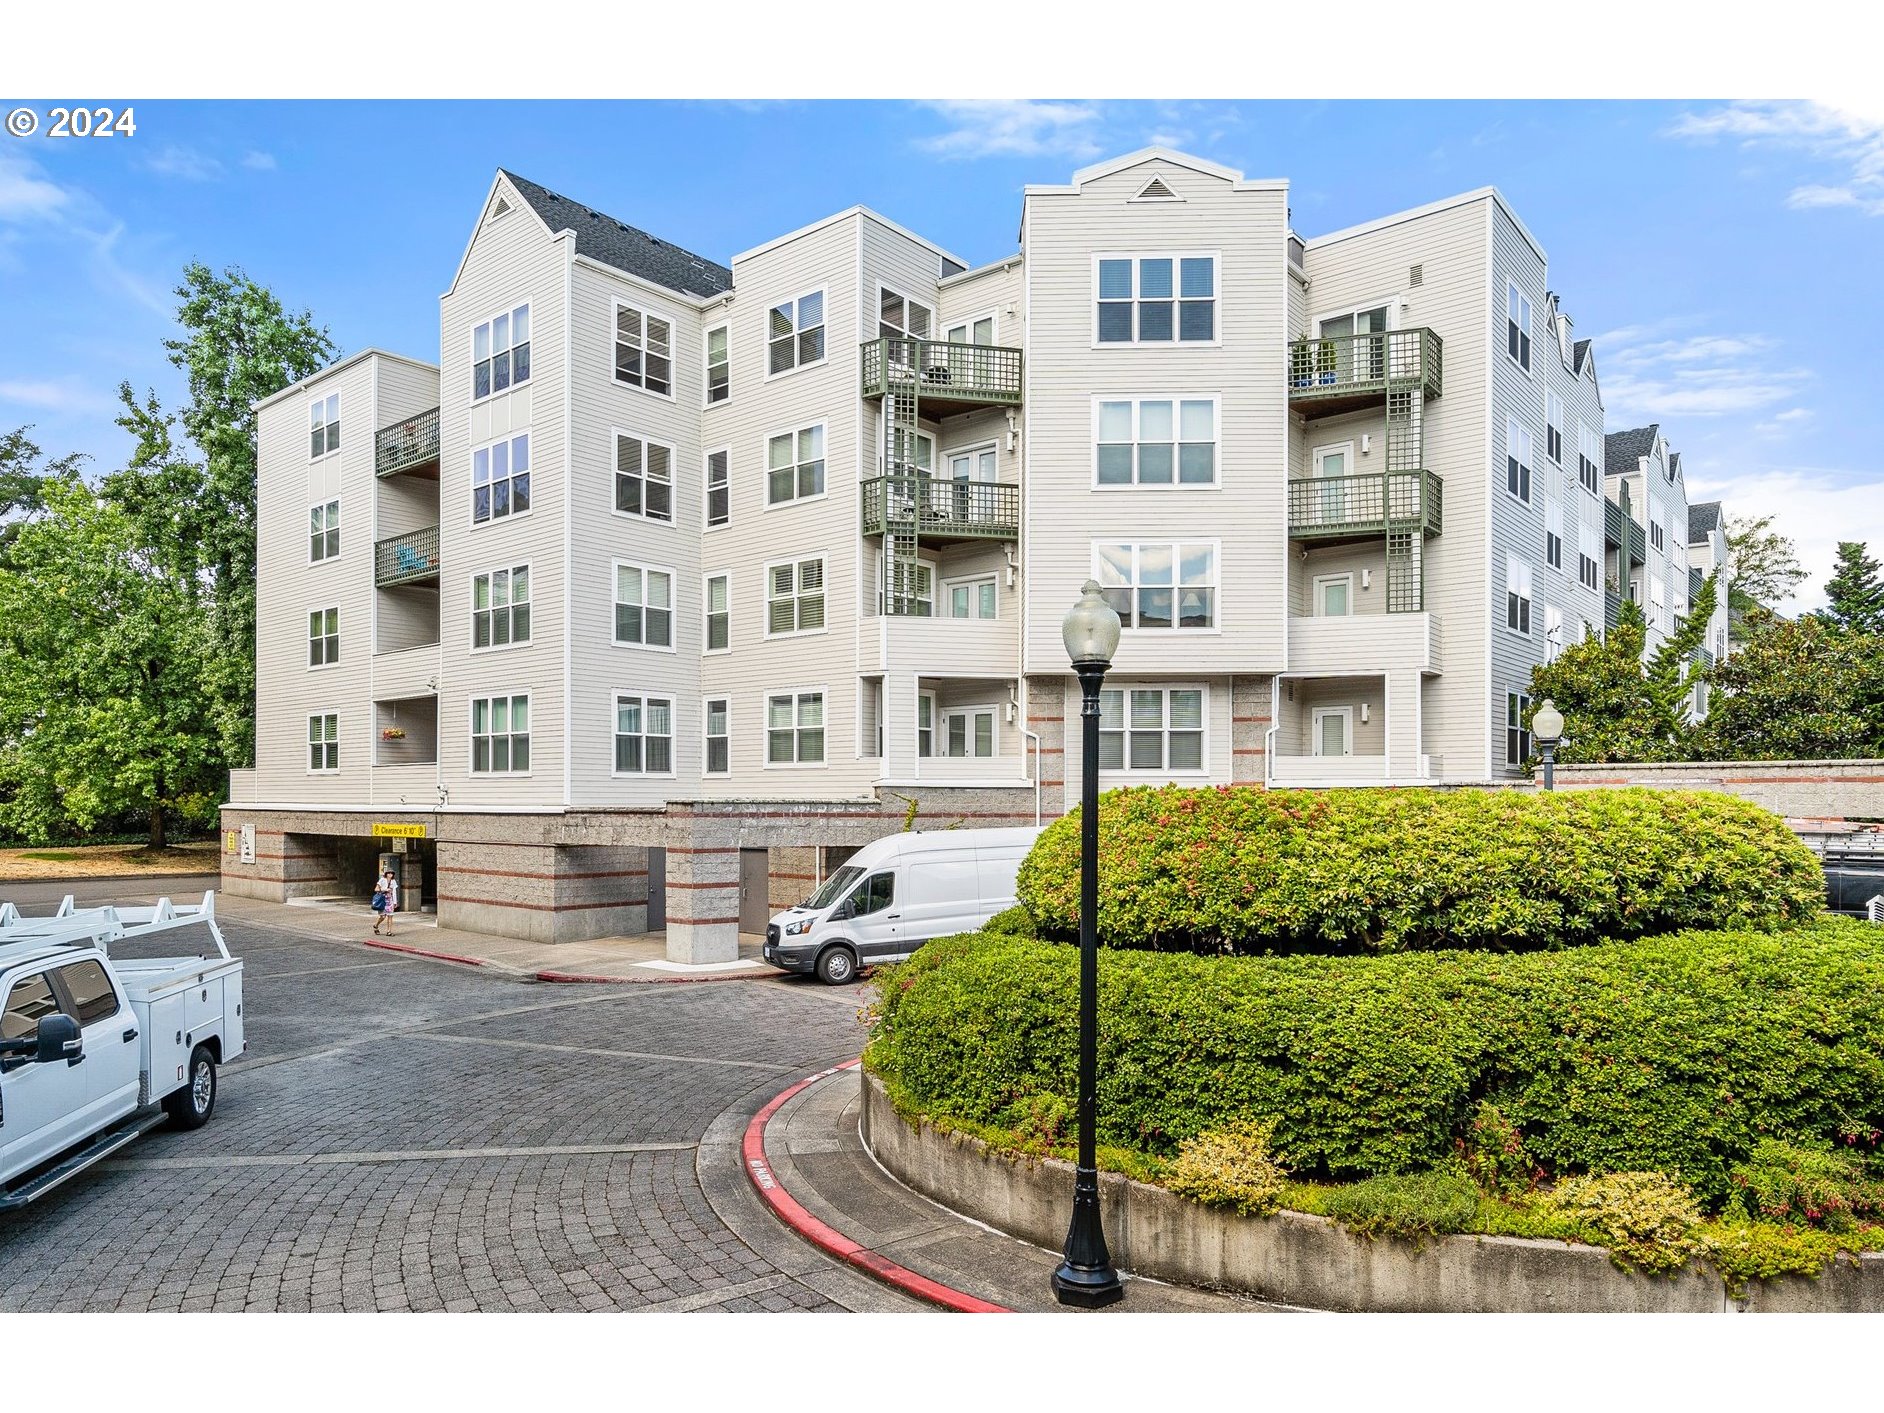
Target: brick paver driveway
x=409, y=1135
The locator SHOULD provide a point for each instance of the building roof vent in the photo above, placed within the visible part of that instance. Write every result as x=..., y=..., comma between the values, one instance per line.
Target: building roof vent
x=1416, y=275
x=1156, y=190
x=501, y=208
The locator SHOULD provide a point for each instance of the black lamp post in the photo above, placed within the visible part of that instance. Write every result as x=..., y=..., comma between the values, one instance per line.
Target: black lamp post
x=1547, y=727
x=1085, y=1277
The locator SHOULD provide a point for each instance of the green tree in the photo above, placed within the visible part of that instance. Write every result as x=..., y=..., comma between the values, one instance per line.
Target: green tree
x=1796, y=690
x=24, y=476
x=103, y=707
x=1855, y=593
x=1671, y=672
x=1600, y=687
x=1763, y=569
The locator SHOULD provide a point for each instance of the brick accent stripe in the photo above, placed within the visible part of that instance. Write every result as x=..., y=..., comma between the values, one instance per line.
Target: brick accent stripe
x=553, y=877
x=539, y=907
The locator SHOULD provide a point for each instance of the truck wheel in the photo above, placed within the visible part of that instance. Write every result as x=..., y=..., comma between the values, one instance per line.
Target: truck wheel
x=191, y=1106
x=837, y=965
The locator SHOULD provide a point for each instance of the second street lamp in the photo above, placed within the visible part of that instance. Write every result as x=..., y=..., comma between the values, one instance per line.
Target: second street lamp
x=1085, y=1277
x=1547, y=727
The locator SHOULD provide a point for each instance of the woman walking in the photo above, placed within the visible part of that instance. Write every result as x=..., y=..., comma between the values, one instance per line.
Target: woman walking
x=385, y=901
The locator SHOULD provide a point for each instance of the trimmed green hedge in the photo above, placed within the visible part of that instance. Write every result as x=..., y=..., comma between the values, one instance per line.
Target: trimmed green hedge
x=1239, y=869
x=1672, y=1054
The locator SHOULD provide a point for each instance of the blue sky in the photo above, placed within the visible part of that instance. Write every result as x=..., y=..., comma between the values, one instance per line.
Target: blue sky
x=1725, y=257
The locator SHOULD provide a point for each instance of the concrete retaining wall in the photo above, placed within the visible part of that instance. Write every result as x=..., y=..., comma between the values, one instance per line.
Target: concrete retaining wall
x=1295, y=1259
x=1798, y=789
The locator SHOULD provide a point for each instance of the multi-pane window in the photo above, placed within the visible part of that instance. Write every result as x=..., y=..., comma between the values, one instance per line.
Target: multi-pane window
x=1553, y=429
x=644, y=477
x=794, y=465
x=1658, y=597
x=899, y=316
x=1587, y=572
x=1518, y=327
x=925, y=724
x=794, y=597
x=971, y=598
x=500, y=607
x=1156, y=299
x=1151, y=728
x=500, y=479
x=719, y=615
x=718, y=718
x=323, y=637
x=500, y=735
x=323, y=742
x=500, y=353
x=795, y=333
x=719, y=489
x=1657, y=536
x=644, y=350
x=1553, y=535
x=968, y=732
x=979, y=331
x=1520, y=447
x=644, y=606
x=919, y=602
x=644, y=735
x=1589, y=460
x=719, y=365
x=1553, y=632
x=794, y=728
x=1517, y=728
x=1159, y=585
x=323, y=526
x=323, y=426
x=1517, y=594
x=1156, y=441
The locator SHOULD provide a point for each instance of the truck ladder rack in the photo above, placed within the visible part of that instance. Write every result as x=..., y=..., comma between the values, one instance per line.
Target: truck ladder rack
x=105, y=925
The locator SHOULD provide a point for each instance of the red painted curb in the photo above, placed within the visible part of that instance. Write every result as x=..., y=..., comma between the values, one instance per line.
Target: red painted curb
x=570, y=976
x=829, y=1239
x=422, y=952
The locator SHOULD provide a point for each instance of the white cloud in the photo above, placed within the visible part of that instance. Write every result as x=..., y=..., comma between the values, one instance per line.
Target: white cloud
x=54, y=395
x=27, y=193
x=259, y=161
x=184, y=162
x=997, y=127
x=1652, y=372
x=1815, y=508
x=1843, y=136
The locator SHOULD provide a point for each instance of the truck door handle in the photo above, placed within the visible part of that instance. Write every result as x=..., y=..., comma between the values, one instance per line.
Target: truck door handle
x=892, y=917
x=130, y=1035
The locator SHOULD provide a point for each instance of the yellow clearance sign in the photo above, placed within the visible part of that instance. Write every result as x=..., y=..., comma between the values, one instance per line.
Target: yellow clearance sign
x=398, y=831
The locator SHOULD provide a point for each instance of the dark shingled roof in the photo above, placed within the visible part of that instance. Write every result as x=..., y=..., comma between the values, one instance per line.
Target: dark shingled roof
x=1623, y=450
x=1703, y=518
x=624, y=246
x=1579, y=354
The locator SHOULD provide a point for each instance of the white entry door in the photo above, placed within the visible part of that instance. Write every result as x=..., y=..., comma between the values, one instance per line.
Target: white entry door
x=1334, y=731
x=1334, y=500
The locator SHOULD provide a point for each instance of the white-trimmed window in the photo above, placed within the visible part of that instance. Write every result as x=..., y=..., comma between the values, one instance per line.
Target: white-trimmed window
x=323, y=637
x=323, y=744
x=1590, y=460
x=1553, y=632
x=1155, y=298
x=1155, y=441
x=1658, y=597
x=1588, y=575
x=794, y=465
x=970, y=733
x=1658, y=536
x=1553, y=534
x=795, y=334
x=1518, y=327
x=323, y=426
x=500, y=353
x=1520, y=449
x=794, y=728
x=644, y=478
x=972, y=598
x=718, y=607
x=925, y=724
x=1517, y=730
x=794, y=597
x=644, y=350
x=717, y=724
x=976, y=331
x=644, y=735
x=1334, y=595
x=500, y=607
x=1160, y=585
x=719, y=487
x=719, y=364
x=1517, y=594
x=1151, y=728
x=1553, y=427
x=323, y=531
x=644, y=606
x=500, y=479
x=500, y=735
x=920, y=601
x=900, y=317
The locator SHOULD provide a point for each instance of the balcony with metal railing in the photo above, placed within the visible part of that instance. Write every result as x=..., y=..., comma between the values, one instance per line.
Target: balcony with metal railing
x=1364, y=507
x=407, y=559
x=941, y=510
x=410, y=446
x=1622, y=530
x=949, y=377
x=1349, y=372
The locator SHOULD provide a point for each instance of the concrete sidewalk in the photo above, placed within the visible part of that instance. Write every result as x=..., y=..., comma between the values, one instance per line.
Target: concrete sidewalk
x=817, y=1155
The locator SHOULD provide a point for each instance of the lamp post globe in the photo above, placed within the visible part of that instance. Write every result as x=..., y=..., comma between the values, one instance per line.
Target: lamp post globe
x=1547, y=728
x=1085, y=1276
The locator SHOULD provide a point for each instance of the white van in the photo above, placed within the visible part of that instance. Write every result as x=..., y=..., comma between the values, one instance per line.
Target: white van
x=896, y=894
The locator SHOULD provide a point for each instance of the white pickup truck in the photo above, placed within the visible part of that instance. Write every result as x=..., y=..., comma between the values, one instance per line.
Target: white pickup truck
x=97, y=1050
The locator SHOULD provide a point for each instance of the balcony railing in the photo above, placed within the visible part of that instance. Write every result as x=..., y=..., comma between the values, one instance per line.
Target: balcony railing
x=1624, y=531
x=406, y=559
x=406, y=445
x=1331, y=507
x=941, y=509
x=959, y=374
x=1349, y=368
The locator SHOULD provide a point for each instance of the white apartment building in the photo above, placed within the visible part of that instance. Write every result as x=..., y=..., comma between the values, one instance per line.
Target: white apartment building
x=671, y=583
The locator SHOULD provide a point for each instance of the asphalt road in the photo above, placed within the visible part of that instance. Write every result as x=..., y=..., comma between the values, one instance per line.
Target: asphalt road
x=95, y=892
x=407, y=1135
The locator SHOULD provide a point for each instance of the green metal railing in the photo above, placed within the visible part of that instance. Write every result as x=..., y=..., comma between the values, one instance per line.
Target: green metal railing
x=944, y=372
x=941, y=509
x=1624, y=531
x=1329, y=506
x=1349, y=365
x=406, y=559
x=404, y=445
